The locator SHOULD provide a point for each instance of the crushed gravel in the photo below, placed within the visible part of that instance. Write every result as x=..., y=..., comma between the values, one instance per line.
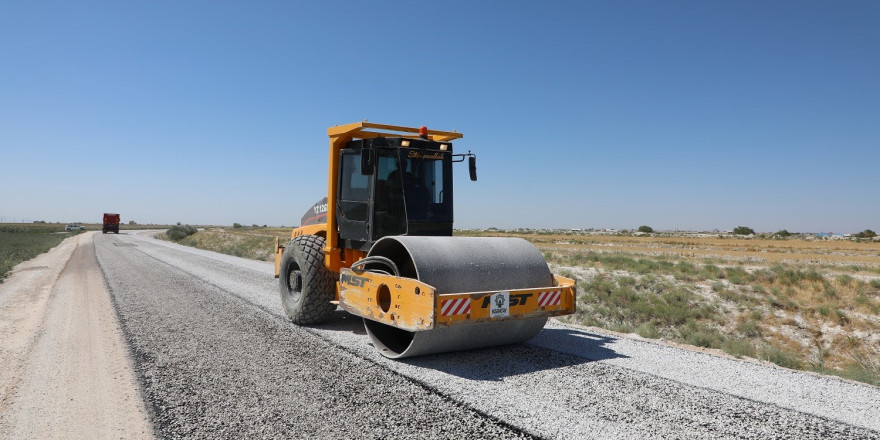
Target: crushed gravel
x=216, y=366
x=217, y=358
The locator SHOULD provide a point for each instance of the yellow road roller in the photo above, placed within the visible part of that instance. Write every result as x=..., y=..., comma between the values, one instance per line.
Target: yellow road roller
x=380, y=245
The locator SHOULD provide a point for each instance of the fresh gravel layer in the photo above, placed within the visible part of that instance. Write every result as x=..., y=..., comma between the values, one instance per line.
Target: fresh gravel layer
x=215, y=366
x=829, y=396
x=566, y=383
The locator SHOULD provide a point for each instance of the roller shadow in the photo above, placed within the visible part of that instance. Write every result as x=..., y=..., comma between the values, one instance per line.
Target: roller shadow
x=550, y=349
x=342, y=321
x=580, y=343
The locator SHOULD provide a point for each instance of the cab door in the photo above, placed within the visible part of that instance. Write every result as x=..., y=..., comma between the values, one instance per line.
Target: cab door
x=354, y=200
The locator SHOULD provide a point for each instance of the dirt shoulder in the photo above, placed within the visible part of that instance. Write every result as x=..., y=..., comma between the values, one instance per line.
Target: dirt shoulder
x=66, y=369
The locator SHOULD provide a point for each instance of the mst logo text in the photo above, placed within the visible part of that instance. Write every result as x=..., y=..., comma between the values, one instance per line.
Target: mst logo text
x=352, y=280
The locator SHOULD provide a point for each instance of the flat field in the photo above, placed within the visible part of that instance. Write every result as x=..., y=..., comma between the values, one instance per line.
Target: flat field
x=23, y=241
x=803, y=303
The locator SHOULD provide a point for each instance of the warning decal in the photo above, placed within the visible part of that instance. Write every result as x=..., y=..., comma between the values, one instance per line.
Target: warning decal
x=551, y=298
x=452, y=307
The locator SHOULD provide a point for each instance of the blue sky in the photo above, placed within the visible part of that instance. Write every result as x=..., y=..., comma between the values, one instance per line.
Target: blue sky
x=604, y=114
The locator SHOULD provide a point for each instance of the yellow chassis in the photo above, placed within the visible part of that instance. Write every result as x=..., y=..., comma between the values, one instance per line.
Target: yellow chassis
x=411, y=305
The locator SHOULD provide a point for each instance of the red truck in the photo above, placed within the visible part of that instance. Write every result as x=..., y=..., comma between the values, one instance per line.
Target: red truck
x=111, y=223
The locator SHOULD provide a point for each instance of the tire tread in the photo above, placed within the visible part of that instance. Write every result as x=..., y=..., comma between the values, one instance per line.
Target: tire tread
x=314, y=306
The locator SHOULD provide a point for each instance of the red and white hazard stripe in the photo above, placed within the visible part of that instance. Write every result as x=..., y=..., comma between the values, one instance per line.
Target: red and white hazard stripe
x=550, y=298
x=452, y=307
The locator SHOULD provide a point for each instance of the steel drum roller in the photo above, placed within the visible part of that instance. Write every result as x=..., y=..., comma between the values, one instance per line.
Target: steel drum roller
x=460, y=265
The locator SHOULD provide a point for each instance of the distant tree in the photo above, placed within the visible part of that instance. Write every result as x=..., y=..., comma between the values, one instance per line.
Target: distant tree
x=783, y=233
x=237, y=225
x=743, y=230
x=132, y=222
x=646, y=229
x=867, y=233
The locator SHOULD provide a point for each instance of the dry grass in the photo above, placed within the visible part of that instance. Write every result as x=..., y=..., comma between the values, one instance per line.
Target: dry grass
x=247, y=242
x=803, y=304
x=727, y=248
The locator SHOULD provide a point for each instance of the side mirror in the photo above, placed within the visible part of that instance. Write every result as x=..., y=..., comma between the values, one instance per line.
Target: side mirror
x=368, y=161
x=472, y=167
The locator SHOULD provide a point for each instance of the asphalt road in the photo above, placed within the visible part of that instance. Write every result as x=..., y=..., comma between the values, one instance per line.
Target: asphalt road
x=216, y=358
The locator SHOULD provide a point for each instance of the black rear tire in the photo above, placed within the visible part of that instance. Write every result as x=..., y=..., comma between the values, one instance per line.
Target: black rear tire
x=305, y=284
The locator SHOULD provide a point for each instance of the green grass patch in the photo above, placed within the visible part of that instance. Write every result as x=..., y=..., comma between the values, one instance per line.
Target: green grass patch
x=845, y=280
x=737, y=275
x=18, y=243
x=648, y=330
x=31, y=228
x=862, y=373
x=749, y=328
x=781, y=357
x=739, y=347
x=179, y=232
x=650, y=306
x=701, y=335
x=796, y=277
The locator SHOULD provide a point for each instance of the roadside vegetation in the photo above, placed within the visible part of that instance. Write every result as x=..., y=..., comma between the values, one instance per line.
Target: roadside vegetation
x=804, y=304
x=179, y=232
x=23, y=241
x=252, y=242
